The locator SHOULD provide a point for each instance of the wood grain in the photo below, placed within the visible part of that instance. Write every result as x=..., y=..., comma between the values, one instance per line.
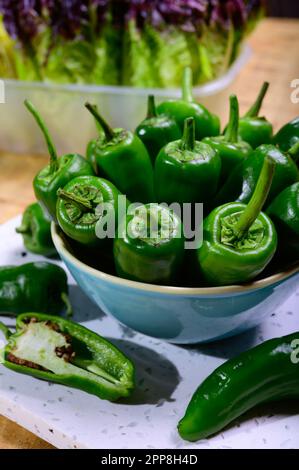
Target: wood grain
x=275, y=59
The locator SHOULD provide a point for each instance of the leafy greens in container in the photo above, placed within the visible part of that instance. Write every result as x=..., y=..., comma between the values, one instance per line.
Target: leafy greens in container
x=143, y=43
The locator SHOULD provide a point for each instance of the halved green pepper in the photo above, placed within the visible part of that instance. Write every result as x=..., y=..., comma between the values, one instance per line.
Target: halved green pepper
x=231, y=149
x=187, y=171
x=157, y=130
x=288, y=135
x=262, y=374
x=124, y=160
x=284, y=211
x=84, y=205
x=149, y=246
x=40, y=287
x=36, y=231
x=239, y=241
x=254, y=129
x=58, y=350
x=206, y=123
x=59, y=171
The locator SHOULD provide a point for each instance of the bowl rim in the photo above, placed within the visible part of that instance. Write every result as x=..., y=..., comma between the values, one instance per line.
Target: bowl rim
x=189, y=291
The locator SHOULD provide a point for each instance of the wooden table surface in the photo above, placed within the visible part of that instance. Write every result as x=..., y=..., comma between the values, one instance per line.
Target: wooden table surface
x=275, y=59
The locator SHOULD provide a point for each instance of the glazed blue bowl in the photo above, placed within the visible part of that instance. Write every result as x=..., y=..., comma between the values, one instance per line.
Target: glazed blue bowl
x=176, y=314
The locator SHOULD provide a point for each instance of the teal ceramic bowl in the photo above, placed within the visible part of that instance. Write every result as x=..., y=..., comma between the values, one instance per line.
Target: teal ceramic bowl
x=176, y=314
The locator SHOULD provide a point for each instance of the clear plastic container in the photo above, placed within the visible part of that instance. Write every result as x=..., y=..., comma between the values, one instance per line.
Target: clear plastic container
x=71, y=126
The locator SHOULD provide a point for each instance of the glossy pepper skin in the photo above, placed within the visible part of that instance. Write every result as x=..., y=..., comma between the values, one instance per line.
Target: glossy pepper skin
x=58, y=172
x=288, y=135
x=36, y=231
x=254, y=129
x=206, y=123
x=75, y=356
x=80, y=208
x=262, y=374
x=124, y=160
x=230, y=148
x=91, y=155
x=187, y=171
x=154, y=257
x=284, y=211
x=157, y=130
x=241, y=183
x=239, y=241
x=40, y=287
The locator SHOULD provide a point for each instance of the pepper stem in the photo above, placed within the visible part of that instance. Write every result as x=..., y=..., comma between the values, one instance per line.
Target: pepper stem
x=151, y=107
x=231, y=133
x=187, y=85
x=257, y=200
x=51, y=147
x=294, y=152
x=6, y=331
x=83, y=204
x=108, y=131
x=256, y=107
x=188, y=139
x=68, y=305
x=23, y=229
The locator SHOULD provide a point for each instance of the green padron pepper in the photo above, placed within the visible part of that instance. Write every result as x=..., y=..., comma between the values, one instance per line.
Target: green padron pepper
x=123, y=159
x=288, y=135
x=149, y=246
x=36, y=231
x=284, y=211
x=265, y=373
x=231, y=149
x=39, y=287
x=206, y=123
x=239, y=241
x=187, y=171
x=254, y=129
x=58, y=172
x=156, y=131
x=85, y=206
x=58, y=350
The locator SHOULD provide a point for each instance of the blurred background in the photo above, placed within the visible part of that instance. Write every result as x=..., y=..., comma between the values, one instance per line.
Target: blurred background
x=283, y=8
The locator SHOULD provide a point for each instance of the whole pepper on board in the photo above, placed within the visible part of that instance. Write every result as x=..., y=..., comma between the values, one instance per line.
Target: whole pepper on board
x=36, y=231
x=187, y=171
x=254, y=129
x=82, y=207
x=124, y=160
x=40, y=287
x=149, y=246
x=61, y=351
x=157, y=130
x=206, y=123
x=284, y=211
x=239, y=241
x=288, y=135
x=58, y=172
x=231, y=149
x=262, y=374
x=242, y=181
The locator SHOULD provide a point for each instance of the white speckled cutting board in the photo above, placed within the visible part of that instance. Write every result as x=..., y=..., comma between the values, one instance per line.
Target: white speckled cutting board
x=167, y=375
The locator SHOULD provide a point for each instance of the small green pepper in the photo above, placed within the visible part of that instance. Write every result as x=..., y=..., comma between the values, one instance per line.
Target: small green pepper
x=124, y=160
x=36, y=231
x=91, y=155
x=187, y=171
x=239, y=241
x=206, y=123
x=58, y=172
x=254, y=129
x=157, y=130
x=83, y=205
x=40, y=287
x=284, y=211
x=231, y=149
x=288, y=135
x=262, y=374
x=58, y=350
x=149, y=246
